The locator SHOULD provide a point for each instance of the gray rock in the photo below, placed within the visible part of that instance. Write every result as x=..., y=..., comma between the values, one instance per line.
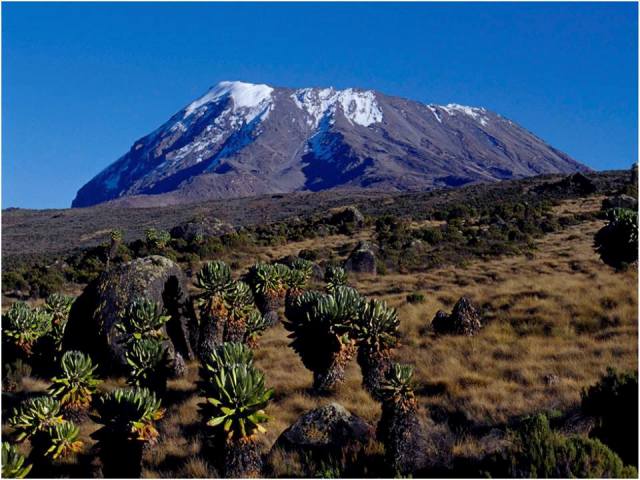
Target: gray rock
x=97, y=311
x=330, y=428
x=464, y=320
x=620, y=201
x=361, y=259
x=201, y=227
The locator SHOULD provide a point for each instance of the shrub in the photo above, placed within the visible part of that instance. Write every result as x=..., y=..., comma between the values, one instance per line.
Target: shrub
x=59, y=307
x=256, y=325
x=143, y=318
x=538, y=451
x=617, y=242
x=335, y=277
x=415, y=297
x=157, y=239
x=35, y=415
x=148, y=364
x=76, y=384
x=128, y=417
x=236, y=397
x=23, y=326
x=614, y=403
x=13, y=464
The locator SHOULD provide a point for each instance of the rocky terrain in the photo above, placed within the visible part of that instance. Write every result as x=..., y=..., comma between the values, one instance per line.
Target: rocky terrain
x=242, y=139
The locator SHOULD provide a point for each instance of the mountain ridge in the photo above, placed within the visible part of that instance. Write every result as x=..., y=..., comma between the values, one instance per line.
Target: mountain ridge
x=241, y=139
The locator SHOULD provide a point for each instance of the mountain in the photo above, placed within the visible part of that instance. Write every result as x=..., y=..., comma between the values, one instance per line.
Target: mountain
x=242, y=139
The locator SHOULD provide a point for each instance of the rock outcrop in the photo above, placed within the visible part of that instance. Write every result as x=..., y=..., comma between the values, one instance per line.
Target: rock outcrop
x=620, y=201
x=330, y=429
x=201, y=227
x=362, y=259
x=463, y=320
x=97, y=311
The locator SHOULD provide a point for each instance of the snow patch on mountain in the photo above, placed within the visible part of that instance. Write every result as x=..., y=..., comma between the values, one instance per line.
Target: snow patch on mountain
x=474, y=112
x=435, y=112
x=250, y=100
x=359, y=107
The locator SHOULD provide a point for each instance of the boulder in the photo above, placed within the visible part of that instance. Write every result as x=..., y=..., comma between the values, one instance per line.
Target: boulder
x=329, y=429
x=620, y=201
x=201, y=227
x=361, y=259
x=97, y=311
x=347, y=218
x=464, y=319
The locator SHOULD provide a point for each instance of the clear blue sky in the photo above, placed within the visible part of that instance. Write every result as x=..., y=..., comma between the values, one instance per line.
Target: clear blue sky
x=81, y=82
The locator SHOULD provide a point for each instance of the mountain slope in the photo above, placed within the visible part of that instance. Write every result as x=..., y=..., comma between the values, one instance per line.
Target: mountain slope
x=242, y=139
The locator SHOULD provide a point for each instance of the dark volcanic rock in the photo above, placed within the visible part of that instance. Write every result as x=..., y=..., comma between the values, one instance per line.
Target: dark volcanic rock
x=620, y=201
x=464, y=319
x=201, y=227
x=96, y=312
x=325, y=430
x=362, y=259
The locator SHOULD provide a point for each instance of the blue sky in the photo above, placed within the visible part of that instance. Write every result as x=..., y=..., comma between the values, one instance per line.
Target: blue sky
x=82, y=82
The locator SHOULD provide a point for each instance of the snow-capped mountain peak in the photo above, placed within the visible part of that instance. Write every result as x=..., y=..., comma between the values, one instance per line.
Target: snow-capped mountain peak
x=249, y=98
x=242, y=139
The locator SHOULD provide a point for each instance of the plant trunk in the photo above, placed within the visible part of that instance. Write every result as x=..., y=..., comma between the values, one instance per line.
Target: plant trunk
x=374, y=365
x=403, y=436
x=269, y=304
x=326, y=380
x=242, y=459
x=235, y=330
x=121, y=458
x=211, y=330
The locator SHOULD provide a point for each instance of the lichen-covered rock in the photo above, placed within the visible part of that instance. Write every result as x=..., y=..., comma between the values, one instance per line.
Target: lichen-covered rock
x=200, y=228
x=464, y=319
x=329, y=429
x=97, y=311
x=362, y=259
x=620, y=201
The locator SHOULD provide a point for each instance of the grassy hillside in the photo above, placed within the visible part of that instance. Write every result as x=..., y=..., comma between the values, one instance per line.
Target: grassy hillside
x=554, y=318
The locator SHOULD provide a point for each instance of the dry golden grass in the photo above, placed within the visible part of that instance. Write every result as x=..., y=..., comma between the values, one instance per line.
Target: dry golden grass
x=559, y=312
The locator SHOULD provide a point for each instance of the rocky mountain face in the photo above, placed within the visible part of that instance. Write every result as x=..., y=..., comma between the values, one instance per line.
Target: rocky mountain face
x=242, y=139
